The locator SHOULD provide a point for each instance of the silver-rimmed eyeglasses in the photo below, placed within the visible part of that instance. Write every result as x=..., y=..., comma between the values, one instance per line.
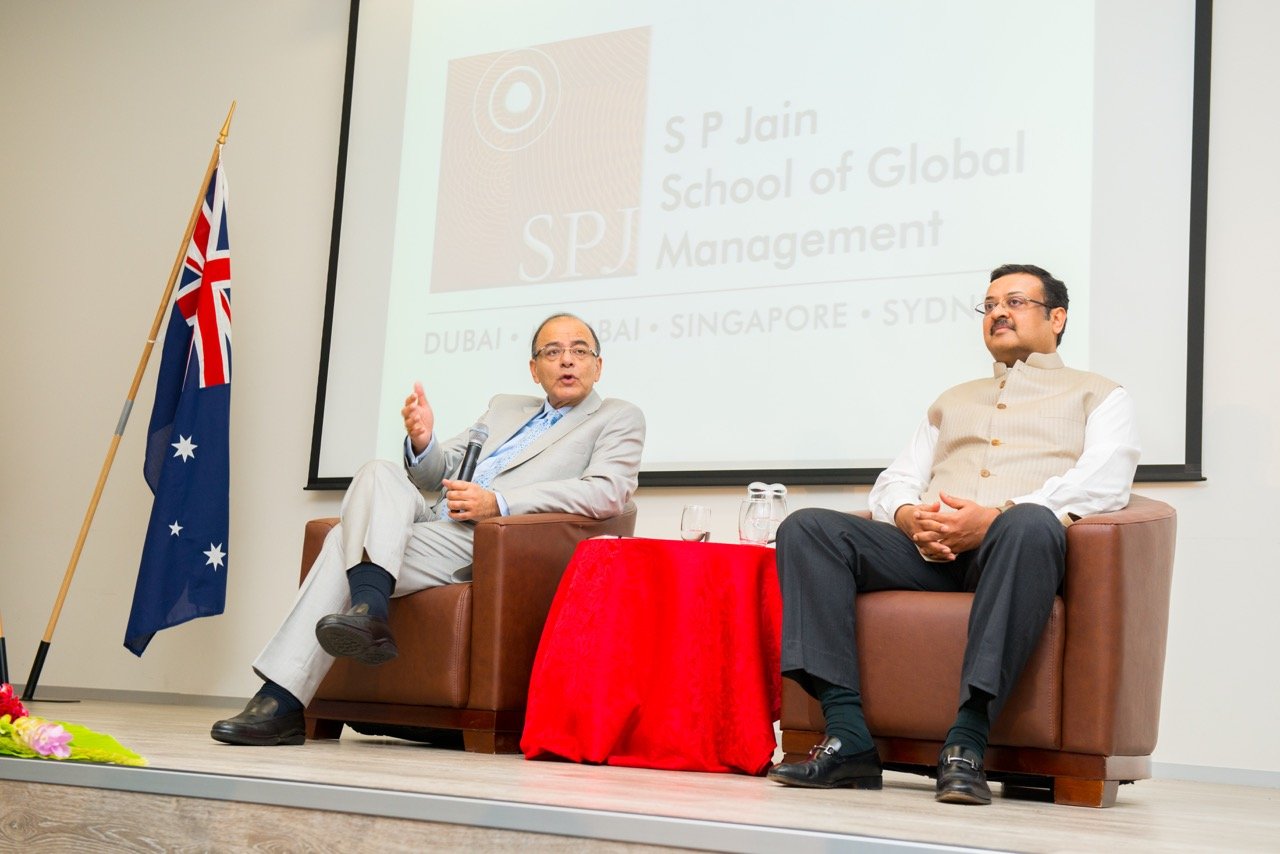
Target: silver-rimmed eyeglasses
x=552, y=352
x=1013, y=302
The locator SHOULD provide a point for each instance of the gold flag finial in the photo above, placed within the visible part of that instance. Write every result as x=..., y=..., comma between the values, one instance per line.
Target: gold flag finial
x=226, y=126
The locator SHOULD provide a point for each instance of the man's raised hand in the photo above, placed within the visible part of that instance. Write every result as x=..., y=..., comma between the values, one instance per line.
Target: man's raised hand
x=419, y=420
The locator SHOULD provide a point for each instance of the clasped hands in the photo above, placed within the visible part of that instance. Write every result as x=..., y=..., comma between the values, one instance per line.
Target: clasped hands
x=941, y=535
x=467, y=502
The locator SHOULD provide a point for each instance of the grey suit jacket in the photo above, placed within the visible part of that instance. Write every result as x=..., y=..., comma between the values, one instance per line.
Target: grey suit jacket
x=587, y=463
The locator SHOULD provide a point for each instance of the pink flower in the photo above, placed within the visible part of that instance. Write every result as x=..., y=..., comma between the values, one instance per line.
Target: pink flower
x=9, y=704
x=45, y=738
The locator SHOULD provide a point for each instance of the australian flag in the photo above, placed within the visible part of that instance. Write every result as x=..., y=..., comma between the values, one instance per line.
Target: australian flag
x=183, y=574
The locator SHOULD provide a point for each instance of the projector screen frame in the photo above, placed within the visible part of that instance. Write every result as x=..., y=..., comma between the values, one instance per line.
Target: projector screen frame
x=1190, y=470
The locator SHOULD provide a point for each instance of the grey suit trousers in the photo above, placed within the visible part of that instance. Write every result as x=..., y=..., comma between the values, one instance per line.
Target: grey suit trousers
x=385, y=516
x=825, y=558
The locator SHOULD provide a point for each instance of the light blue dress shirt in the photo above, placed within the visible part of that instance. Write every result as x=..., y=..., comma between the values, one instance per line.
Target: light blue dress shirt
x=516, y=440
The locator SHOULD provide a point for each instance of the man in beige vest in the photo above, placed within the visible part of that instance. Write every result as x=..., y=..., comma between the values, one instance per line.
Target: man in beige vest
x=978, y=502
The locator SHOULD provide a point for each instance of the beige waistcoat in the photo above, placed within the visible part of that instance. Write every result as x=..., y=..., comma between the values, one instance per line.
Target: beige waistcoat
x=1003, y=437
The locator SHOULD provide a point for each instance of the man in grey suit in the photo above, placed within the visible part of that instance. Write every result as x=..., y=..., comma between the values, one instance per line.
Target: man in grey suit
x=569, y=452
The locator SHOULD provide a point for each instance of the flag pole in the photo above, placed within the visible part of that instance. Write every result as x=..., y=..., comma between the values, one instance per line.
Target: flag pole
x=4, y=659
x=29, y=690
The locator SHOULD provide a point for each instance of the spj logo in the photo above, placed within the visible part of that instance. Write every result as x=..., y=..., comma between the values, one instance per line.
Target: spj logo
x=516, y=100
x=541, y=162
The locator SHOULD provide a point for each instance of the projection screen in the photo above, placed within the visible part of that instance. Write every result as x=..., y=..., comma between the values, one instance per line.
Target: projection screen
x=778, y=217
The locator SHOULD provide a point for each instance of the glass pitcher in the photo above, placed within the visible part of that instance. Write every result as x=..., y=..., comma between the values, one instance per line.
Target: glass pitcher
x=776, y=495
x=754, y=516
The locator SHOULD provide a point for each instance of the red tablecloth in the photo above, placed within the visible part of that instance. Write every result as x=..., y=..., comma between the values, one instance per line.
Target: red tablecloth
x=660, y=654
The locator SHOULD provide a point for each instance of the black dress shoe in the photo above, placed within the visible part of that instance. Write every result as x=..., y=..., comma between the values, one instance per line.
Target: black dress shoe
x=355, y=634
x=961, y=779
x=262, y=725
x=825, y=770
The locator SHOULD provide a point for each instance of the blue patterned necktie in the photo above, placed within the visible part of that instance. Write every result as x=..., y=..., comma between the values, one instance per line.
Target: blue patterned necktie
x=490, y=467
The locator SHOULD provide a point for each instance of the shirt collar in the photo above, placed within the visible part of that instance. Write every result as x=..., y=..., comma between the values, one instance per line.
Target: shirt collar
x=547, y=409
x=1043, y=361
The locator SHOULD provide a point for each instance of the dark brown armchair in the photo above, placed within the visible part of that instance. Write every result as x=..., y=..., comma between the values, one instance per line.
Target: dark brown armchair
x=466, y=650
x=1084, y=715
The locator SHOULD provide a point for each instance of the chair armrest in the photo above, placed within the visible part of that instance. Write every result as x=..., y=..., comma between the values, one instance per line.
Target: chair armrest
x=517, y=562
x=1119, y=573
x=313, y=541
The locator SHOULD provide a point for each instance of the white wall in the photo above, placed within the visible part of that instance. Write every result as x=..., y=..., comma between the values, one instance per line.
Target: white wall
x=110, y=111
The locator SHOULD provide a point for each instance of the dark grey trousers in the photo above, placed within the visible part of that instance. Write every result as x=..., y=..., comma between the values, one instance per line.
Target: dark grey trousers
x=825, y=558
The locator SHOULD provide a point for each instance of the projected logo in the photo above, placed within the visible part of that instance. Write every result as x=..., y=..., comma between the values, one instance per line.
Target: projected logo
x=516, y=100
x=540, y=164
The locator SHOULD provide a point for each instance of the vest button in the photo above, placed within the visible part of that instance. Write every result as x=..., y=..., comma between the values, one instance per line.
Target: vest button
x=1001, y=406
x=995, y=442
x=1002, y=382
x=985, y=473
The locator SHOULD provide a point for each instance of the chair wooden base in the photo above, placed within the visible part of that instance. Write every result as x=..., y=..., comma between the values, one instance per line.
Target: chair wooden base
x=1071, y=779
x=480, y=730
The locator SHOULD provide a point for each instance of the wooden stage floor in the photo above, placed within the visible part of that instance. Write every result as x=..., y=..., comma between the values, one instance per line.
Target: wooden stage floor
x=374, y=793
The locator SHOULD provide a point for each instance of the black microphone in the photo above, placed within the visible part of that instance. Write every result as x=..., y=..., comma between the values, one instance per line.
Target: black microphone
x=475, y=441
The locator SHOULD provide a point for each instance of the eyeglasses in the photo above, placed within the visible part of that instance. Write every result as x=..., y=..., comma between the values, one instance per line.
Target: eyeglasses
x=1013, y=303
x=552, y=352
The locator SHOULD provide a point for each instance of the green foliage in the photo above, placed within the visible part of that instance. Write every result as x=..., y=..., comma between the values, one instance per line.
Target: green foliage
x=86, y=745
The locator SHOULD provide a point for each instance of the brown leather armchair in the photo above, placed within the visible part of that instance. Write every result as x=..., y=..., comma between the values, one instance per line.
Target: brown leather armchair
x=1084, y=715
x=466, y=650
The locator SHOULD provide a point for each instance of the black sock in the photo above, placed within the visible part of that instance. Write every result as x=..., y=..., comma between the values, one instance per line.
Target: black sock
x=371, y=586
x=286, y=702
x=972, y=724
x=843, y=710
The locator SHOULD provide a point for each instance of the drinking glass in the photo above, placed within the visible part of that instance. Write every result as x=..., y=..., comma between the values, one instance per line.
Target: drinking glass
x=753, y=520
x=695, y=523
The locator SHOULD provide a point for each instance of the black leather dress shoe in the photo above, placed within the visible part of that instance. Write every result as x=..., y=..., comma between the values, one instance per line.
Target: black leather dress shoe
x=355, y=634
x=261, y=724
x=825, y=770
x=961, y=779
